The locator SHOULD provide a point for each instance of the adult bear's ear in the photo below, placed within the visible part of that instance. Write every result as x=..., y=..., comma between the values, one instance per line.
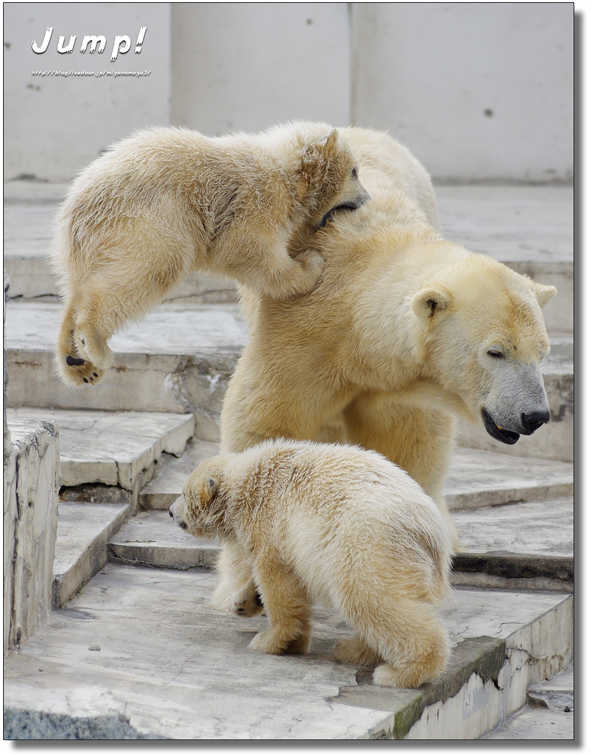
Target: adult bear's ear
x=542, y=293
x=430, y=302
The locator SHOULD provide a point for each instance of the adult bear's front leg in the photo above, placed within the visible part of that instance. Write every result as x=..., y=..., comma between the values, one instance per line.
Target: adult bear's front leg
x=256, y=408
x=420, y=441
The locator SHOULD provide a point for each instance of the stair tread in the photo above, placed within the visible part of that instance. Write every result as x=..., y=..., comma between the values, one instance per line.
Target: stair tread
x=479, y=478
x=79, y=526
x=509, y=535
x=170, y=329
x=190, y=675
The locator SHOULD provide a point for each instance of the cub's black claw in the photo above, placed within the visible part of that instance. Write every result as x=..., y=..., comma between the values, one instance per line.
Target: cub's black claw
x=72, y=362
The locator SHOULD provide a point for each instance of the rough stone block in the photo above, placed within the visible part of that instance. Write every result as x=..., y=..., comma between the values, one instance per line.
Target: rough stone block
x=31, y=483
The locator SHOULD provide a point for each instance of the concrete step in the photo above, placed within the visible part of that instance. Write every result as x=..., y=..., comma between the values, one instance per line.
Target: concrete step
x=84, y=530
x=113, y=449
x=516, y=546
x=152, y=539
x=529, y=228
x=548, y=714
x=180, y=359
x=526, y=546
x=168, y=484
x=490, y=478
x=97, y=672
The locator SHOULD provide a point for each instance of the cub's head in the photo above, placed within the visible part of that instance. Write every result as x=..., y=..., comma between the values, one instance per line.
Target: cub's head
x=202, y=508
x=329, y=173
x=482, y=338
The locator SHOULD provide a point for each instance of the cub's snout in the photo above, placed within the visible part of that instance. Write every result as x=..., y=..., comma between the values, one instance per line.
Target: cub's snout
x=176, y=511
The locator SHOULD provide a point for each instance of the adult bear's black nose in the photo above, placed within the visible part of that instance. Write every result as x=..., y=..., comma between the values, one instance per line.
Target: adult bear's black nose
x=534, y=420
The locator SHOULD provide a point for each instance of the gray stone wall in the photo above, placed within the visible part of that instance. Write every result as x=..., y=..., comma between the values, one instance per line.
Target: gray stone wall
x=479, y=91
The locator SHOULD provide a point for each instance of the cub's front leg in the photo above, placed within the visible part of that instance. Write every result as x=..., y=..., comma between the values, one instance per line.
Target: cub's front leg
x=288, y=608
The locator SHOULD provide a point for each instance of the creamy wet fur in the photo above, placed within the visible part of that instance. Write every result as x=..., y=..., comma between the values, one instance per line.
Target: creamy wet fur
x=403, y=332
x=335, y=524
x=169, y=201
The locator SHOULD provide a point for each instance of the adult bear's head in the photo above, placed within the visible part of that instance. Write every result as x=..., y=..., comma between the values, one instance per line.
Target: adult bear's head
x=482, y=338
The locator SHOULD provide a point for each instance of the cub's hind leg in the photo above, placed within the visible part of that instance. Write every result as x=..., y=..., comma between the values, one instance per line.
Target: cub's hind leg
x=93, y=316
x=73, y=367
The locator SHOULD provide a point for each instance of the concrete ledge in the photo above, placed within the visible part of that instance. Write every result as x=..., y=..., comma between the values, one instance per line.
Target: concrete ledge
x=114, y=449
x=98, y=658
x=31, y=482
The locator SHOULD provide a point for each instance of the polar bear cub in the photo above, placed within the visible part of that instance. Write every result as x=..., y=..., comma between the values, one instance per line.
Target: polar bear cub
x=169, y=201
x=336, y=524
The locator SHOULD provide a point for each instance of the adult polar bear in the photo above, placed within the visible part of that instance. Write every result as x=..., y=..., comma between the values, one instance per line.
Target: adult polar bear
x=403, y=331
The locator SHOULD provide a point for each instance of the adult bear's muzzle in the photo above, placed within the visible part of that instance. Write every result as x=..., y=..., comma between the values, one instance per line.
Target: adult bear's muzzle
x=530, y=422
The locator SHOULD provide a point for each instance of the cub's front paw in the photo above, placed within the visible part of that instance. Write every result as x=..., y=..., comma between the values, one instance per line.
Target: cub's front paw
x=312, y=261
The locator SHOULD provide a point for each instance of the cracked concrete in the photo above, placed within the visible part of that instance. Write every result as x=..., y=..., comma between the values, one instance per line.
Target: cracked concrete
x=194, y=677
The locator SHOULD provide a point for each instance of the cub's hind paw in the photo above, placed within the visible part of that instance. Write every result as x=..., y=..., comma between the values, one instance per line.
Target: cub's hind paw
x=242, y=605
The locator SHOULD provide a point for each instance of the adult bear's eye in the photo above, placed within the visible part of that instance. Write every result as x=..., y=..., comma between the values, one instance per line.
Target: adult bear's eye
x=495, y=353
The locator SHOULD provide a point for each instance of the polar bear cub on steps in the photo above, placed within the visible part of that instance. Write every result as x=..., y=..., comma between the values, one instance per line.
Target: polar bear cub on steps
x=336, y=524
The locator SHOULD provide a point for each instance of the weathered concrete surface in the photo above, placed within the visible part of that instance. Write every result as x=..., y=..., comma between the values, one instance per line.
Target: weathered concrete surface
x=31, y=482
x=84, y=530
x=484, y=478
x=151, y=538
x=113, y=449
x=555, y=693
x=192, y=676
x=164, y=489
x=549, y=714
x=535, y=723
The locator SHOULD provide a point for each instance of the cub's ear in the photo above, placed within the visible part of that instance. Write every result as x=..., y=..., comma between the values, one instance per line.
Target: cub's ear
x=542, y=293
x=430, y=302
x=329, y=143
x=316, y=154
x=211, y=488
